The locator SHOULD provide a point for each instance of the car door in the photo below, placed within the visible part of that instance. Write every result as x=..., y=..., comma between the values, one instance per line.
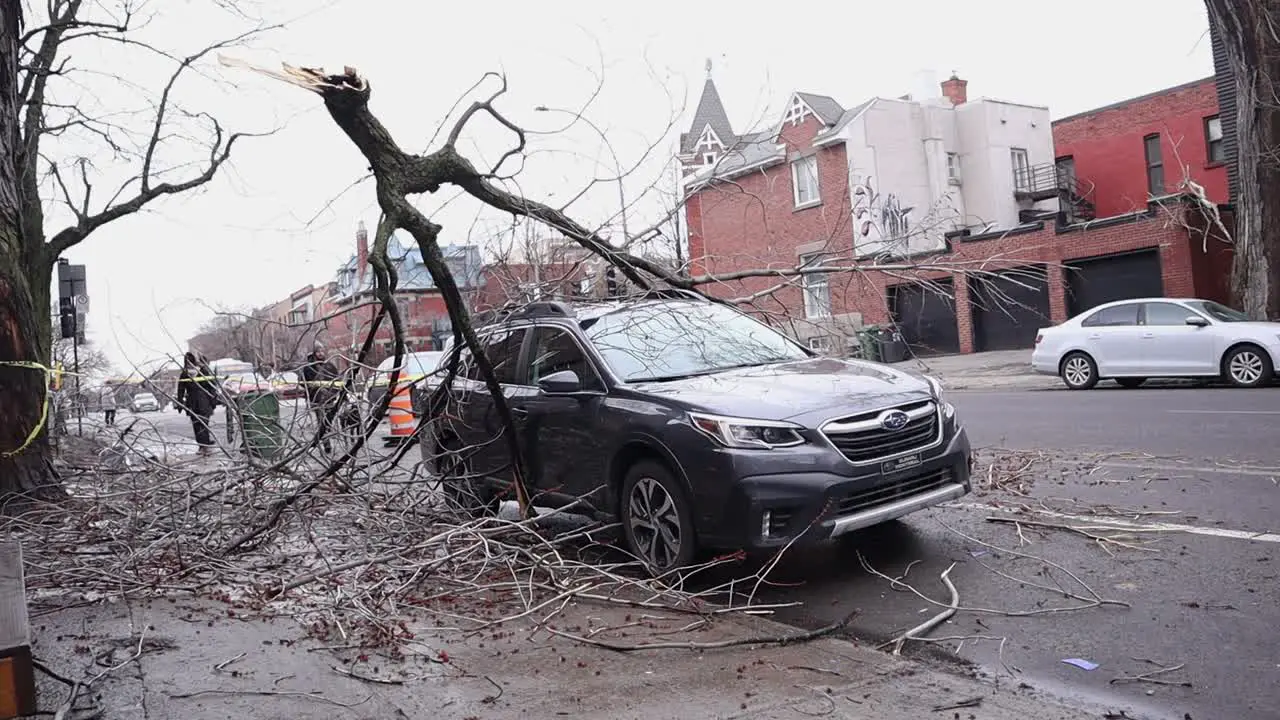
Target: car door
x=1171, y=346
x=1114, y=339
x=477, y=425
x=561, y=433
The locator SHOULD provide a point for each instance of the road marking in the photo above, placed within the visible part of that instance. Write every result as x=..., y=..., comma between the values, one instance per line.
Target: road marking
x=1223, y=412
x=1216, y=470
x=1097, y=523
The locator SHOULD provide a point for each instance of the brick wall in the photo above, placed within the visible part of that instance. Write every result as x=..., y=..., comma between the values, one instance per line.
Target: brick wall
x=1107, y=145
x=345, y=332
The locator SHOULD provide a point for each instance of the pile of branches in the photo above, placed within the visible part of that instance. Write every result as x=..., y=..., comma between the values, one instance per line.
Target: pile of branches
x=356, y=559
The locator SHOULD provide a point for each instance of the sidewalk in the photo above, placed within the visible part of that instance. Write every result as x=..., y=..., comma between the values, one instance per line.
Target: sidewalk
x=199, y=663
x=997, y=370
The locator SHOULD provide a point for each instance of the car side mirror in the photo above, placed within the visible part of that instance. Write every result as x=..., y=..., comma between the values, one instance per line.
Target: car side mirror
x=563, y=382
x=1197, y=321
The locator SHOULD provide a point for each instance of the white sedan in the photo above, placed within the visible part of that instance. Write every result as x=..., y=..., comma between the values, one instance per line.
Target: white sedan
x=1132, y=340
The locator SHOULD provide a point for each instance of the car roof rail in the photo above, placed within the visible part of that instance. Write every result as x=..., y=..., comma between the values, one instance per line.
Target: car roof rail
x=673, y=294
x=540, y=309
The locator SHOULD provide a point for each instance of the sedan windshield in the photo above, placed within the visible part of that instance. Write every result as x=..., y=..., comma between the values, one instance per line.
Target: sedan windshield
x=1218, y=312
x=662, y=341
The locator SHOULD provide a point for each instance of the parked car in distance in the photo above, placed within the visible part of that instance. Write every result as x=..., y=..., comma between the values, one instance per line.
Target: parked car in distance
x=144, y=402
x=241, y=383
x=696, y=427
x=287, y=385
x=1130, y=341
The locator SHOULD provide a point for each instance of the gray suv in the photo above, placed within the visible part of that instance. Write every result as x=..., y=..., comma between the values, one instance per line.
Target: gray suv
x=695, y=427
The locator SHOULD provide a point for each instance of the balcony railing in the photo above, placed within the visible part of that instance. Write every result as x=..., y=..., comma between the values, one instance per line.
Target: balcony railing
x=1047, y=181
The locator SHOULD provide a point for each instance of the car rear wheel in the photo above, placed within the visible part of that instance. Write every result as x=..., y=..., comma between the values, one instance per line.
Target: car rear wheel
x=657, y=519
x=1079, y=371
x=1247, y=366
x=463, y=490
x=1130, y=382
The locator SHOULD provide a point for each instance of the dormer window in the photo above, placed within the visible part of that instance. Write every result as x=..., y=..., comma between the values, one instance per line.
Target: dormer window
x=797, y=112
x=709, y=158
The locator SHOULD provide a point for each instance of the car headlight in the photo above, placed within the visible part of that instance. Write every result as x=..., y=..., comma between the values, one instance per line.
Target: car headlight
x=935, y=388
x=746, y=433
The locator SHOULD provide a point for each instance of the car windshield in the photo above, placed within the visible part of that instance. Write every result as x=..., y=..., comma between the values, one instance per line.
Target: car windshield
x=663, y=341
x=140, y=397
x=1218, y=312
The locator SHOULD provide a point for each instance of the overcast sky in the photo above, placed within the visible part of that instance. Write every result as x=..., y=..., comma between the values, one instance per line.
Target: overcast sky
x=285, y=214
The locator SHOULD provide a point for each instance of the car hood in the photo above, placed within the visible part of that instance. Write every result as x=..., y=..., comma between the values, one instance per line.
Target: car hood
x=804, y=391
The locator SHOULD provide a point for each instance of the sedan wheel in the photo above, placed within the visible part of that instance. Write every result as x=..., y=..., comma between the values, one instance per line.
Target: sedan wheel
x=1248, y=366
x=462, y=488
x=656, y=519
x=1079, y=371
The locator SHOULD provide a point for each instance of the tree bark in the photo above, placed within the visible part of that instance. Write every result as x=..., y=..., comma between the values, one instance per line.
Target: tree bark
x=24, y=457
x=1246, y=28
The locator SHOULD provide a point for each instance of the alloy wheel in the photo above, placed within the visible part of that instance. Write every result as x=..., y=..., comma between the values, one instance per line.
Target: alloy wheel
x=1077, y=371
x=1246, y=367
x=655, y=524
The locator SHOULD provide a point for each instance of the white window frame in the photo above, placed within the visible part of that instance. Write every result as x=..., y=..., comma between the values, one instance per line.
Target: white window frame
x=808, y=165
x=816, y=288
x=709, y=158
x=821, y=343
x=953, y=168
x=1021, y=180
x=1209, y=138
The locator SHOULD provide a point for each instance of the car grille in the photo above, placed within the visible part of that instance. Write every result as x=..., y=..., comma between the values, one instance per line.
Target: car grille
x=890, y=492
x=861, y=438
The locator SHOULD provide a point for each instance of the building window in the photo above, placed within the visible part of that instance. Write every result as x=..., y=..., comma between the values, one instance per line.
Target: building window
x=1021, y=169
x=1066, y=167
x=709, y=159
x=953, y=168
x=817, y=293
x=804, y=180
x=820, y=344
x=1155, y=165
x=1213, y=140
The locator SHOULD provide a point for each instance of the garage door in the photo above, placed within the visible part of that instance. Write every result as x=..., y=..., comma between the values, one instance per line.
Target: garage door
x=1009, y=307
x=926, y=316
x=1093, y=281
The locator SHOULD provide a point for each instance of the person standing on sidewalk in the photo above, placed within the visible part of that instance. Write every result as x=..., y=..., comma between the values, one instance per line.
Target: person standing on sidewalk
x=107, y=401
x=319, y=376
x=197, y=397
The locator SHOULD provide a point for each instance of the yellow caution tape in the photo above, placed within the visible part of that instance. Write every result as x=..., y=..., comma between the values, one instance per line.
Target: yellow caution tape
x=44, y=406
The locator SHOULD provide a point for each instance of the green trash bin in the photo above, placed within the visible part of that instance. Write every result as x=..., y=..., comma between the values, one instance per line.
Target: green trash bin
x=868, y=340
x=260, y=424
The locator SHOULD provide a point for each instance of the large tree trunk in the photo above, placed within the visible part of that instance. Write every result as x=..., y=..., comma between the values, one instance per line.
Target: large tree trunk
x=1253, y=54
x=24, y=448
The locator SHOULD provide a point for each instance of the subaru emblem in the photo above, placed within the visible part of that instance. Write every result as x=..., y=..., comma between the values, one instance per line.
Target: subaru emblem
x=894, y=420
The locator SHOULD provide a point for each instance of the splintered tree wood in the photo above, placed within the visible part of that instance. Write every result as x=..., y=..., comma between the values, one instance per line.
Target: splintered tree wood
x=17, y=679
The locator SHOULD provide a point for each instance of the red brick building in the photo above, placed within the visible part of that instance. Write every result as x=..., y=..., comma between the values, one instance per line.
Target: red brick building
x=1145, y=147
x=1028, y=242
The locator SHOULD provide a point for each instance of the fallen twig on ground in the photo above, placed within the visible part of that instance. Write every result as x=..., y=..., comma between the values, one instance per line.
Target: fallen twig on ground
x=780, y=640
x=1150, y=677
x=969, y=703
x=1089, y=531
x=932, y=622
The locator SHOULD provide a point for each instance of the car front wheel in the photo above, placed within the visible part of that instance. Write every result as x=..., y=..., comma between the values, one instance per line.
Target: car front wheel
x=1079, y=372
x=657, y=519
x=1247, y=366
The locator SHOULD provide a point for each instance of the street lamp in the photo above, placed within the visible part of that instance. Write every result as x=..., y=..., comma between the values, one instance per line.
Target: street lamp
x=622, y=197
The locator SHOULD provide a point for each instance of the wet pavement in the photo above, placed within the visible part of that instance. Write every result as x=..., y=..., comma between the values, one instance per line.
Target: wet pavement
x=1183, y=481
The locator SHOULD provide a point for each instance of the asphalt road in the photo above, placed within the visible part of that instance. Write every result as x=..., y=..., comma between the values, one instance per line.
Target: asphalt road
x=1203, y=594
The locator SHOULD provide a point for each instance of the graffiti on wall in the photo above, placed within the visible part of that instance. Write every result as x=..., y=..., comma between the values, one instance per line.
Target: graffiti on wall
x=870, y=210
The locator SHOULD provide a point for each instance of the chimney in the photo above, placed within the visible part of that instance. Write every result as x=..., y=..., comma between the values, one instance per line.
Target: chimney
x=362, y=253
x=954, y=89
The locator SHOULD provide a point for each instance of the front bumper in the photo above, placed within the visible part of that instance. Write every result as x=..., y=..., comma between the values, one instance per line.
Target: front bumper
x=770, y=511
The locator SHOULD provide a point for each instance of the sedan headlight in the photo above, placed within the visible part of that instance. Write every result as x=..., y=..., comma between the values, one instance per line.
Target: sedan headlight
x=935, y=388
x=746, y=433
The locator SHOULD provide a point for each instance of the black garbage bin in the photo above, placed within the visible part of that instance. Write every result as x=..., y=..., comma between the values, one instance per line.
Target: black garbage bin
x=892, y=348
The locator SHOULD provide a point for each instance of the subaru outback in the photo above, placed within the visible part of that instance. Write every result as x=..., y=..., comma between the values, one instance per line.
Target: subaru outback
x=695, y=427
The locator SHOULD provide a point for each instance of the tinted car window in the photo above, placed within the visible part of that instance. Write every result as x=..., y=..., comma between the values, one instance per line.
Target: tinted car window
x=1166, y=314
x=555, y=350
x=502, y=348
x=1113, y=316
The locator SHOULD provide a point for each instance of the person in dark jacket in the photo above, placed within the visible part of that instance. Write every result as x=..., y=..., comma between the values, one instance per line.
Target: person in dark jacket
x=198, y=397
x=319, y=376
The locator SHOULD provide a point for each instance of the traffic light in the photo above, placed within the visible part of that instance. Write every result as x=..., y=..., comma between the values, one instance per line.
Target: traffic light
x=67, y=317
